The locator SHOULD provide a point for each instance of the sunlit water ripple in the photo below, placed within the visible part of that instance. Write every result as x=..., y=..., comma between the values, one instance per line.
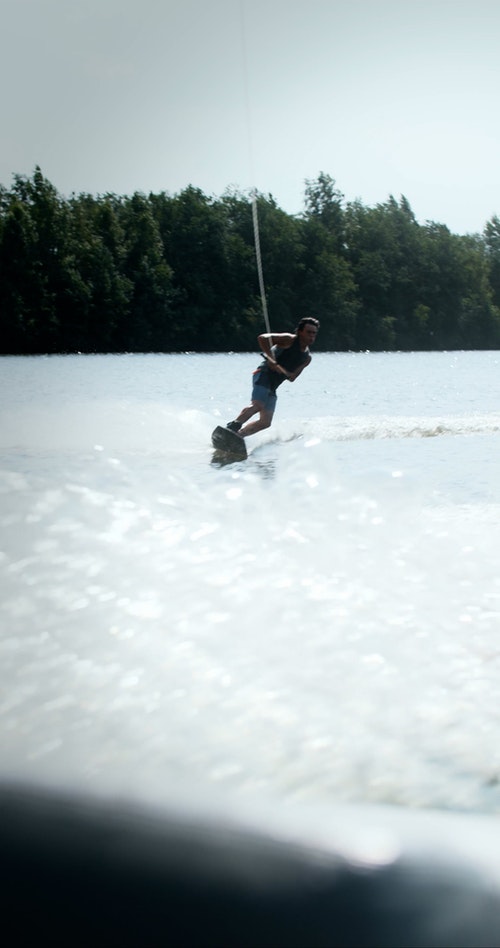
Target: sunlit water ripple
x=319, y=623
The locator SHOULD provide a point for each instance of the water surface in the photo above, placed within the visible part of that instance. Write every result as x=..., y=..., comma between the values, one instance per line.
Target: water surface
x=319, y=623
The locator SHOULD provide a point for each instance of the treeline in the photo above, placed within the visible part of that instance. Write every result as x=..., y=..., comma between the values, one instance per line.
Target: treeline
x=174, y=273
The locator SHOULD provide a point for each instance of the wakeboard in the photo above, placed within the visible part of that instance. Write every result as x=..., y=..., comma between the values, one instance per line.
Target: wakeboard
x=229, y=444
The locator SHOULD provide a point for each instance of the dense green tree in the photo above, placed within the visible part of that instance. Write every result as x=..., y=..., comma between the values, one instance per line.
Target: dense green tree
x=383, y=246
x=151, y=279
x=492, y=244
x=242, y=298
x=442, y=285
x=33, y=264
x=98, y=255
x=192, y=228
x=478, y=317
x=169, y=273
x=21, y=280
x=281, y=257
x=327, y=288
x=324, y=203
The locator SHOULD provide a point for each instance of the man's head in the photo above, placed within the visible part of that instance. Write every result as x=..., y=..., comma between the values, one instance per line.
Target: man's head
x=307, y=329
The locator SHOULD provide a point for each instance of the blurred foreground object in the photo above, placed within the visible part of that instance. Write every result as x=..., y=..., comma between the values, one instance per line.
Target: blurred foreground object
x=89, y=871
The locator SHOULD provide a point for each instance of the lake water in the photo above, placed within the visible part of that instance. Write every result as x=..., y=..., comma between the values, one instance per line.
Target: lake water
x=317, y=624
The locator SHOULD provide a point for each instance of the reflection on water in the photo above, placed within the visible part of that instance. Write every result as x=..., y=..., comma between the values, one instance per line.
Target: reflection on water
x=266, y=467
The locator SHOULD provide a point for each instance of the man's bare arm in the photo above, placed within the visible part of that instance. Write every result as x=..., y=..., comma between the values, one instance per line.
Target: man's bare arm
x=282, y=339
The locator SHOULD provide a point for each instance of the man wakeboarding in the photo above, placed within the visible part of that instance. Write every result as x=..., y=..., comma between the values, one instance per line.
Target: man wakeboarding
x=286, y=355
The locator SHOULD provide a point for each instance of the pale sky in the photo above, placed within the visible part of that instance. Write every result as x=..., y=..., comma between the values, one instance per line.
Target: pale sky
x=385, y=96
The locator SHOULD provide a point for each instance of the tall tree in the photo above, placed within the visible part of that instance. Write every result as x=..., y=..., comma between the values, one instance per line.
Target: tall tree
x=323, y=203
x=327, y=288
x=21, y=280
x=383, y=246
x=192, y=230
x=151, y=326
x=281, y=257
x=98, y=252
x=491, y=238
x=478, y=316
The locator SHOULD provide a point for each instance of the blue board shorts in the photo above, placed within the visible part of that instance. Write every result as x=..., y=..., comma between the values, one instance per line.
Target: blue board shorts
x=262, y=393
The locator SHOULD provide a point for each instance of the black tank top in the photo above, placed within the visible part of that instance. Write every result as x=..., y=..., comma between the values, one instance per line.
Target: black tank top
x=290, y=359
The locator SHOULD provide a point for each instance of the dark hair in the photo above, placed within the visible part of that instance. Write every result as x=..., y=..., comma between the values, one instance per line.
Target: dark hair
x=307, y=321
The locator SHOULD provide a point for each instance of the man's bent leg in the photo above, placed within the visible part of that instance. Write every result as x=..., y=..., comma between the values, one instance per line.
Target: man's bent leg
x=244, y=415
x=264, y=421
